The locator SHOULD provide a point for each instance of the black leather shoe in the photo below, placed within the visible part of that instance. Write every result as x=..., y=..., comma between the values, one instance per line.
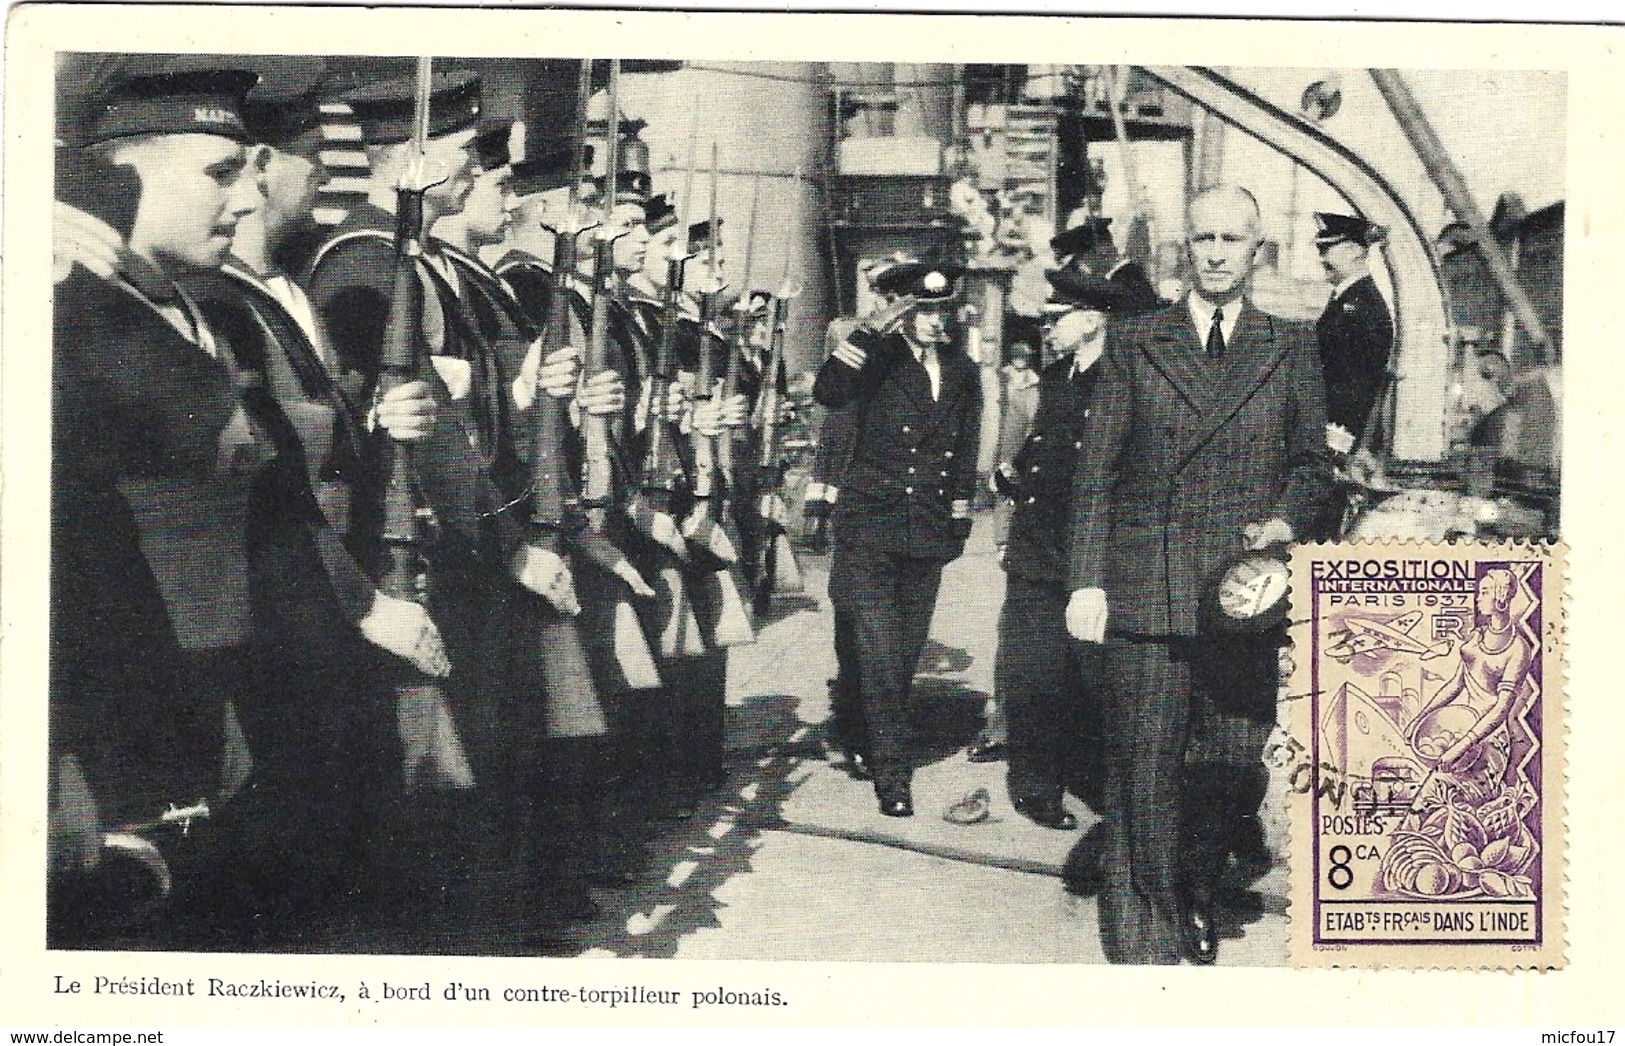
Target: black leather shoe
x=1201, y=935
x=1046, y=812
x=895, y=801
x=985, y=751
x=1084, y=873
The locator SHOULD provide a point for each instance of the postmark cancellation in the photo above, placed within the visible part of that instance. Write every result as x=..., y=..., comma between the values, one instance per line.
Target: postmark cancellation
x=1428, y=684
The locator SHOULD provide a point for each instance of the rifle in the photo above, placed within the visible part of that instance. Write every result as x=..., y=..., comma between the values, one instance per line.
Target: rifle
x=433, y=749
x=779, y=573
x=663, y=474
x=741, y=335
x=573, y=708
x=727, y=623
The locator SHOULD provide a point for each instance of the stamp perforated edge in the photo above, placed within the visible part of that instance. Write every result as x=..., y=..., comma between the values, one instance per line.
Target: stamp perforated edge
x=1552, y=952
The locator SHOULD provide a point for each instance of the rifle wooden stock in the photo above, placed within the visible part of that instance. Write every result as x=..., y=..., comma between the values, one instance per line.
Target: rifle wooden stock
x=434, y=755
x=597, y=483
x=778, y=574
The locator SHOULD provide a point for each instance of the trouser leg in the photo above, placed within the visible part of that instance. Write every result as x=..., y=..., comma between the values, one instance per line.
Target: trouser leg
x=1146, y=719
x=846, y=690
x=1233, y=712
x=1036, y=680
x=868, y=582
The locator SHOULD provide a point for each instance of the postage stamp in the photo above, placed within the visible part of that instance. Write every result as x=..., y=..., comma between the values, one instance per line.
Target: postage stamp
x=1428, y=683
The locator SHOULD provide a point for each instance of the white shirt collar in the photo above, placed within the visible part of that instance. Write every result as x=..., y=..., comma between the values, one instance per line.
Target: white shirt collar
x=1086, y=356
x=1202, y=311
x=929, y=358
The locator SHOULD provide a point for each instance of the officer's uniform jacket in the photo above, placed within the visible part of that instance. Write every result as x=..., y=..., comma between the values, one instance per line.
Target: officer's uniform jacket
x=912, y=456
x=1356, y=335
x=1044, y=469
x=1182, y=452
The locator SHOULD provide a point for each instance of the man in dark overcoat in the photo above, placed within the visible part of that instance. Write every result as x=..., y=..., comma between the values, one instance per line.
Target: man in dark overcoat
x=1356, y=332
x=1206, y=437
x=904, y=510
x=1045, y=680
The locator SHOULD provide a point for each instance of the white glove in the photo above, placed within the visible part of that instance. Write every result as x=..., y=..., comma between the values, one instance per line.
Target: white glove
x=405, y=629
x=1339, y=439
x=78, y=237
x=548, y=575
x=708, y=418
x=1270, y=532
x=961, y=509
x=557, y=376
x=1086, y=615
x=407, y=412
x=560, y=371
x=603, y=394
x=735, y=411
x=772, y=508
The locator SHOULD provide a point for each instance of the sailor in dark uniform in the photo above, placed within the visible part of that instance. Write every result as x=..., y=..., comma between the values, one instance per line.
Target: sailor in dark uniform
x=465, y=866
x=904, y=511
x=154, y=459
x=1356, y=332
x=1043, y=677
x=326, y=755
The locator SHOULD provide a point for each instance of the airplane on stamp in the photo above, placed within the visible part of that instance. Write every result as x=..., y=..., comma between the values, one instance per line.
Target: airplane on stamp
x=1364, y=635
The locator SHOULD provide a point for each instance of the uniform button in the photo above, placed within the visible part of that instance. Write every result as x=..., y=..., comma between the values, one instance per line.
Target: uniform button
x=1031, y=501
x=944, y=475
x=1033, y=469
x=908, y=490
x=911, y=470
x=941, y=492
x=905, y=428
x=1077, y=444
x=947, y=453
x=914, y=450
x=1038, y=438
x=1086, y=412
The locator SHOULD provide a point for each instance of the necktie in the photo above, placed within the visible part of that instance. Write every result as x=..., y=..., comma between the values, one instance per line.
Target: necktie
x=1215, y=336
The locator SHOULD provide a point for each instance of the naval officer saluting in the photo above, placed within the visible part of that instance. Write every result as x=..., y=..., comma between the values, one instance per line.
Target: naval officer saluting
x=904, y=510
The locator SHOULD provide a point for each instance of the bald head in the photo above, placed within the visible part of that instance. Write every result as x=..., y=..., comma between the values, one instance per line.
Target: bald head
x=1223, y=236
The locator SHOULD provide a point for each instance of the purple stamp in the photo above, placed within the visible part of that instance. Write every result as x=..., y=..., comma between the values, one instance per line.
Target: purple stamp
x=1429, y=689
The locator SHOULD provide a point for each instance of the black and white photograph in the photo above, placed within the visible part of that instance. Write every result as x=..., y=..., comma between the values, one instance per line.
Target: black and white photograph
x=754, y=510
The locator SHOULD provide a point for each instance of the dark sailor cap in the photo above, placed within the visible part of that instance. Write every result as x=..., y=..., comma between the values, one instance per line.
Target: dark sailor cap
x=1091, y=234
x=1080, y=290
x=195, y=101
x=287, y=102
x=633, y=180
x=1336, y=228
x=658, y=214
x=699, y=234
x=546, y=167
x=385, y=110
x=491, y=145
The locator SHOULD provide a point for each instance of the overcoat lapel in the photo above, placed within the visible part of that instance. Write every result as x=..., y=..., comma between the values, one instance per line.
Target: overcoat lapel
x=1172, y=350
x=1253, y=355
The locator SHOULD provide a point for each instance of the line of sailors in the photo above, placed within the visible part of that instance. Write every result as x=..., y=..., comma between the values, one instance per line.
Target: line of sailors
x=254, y=746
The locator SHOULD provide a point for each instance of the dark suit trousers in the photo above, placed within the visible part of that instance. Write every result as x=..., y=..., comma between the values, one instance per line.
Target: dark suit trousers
x=1163, y=834
x=1049, y=684
x=889, y=599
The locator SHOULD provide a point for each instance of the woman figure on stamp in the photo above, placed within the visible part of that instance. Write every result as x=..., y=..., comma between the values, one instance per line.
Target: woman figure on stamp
x=1488, y=683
